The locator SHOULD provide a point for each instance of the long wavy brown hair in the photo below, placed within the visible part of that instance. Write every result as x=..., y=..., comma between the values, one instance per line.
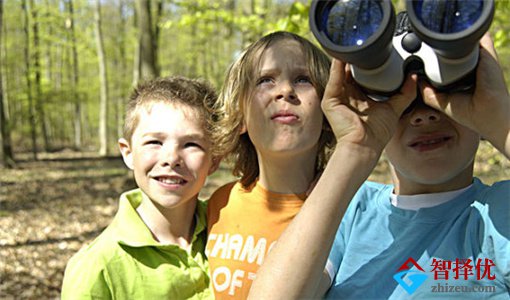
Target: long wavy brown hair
x=236, y=91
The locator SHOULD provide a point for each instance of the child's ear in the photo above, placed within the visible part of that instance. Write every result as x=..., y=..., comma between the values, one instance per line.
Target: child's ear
x=127, y=154
x=243, y=129
x=215, y=165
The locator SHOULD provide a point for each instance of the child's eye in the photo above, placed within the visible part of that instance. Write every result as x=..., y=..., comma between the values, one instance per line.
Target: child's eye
x=303, y=79
x=263, y=80
x=153, y=142
x=193, y=145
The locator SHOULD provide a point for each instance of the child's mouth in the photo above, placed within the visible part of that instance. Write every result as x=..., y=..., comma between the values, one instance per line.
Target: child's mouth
x=429, y=143
x=285, y=117
x=171, y=182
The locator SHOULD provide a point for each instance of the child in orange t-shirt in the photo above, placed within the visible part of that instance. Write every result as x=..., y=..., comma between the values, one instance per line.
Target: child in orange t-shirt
x=274, y=127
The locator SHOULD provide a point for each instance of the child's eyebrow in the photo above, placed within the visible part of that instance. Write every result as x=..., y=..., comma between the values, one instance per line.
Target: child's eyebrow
x=191, y=135
x=195, y=136
x=153, y=134
x=299, y=69
x=268, y=71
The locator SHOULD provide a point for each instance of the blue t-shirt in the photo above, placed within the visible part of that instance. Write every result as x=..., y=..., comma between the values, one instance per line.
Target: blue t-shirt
x=458, y=249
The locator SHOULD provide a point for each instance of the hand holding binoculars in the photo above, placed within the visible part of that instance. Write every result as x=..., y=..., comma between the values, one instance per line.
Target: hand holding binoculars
x=437, y=39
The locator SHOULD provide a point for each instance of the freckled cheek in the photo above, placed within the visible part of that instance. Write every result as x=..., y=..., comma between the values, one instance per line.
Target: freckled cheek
x=308, y=93
x=199, y=162
x=260, y=98
x=253, y=114
x=317, y=117
x=146, y=158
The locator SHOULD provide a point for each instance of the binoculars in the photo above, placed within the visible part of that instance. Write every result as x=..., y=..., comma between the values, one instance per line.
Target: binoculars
x=437, y=39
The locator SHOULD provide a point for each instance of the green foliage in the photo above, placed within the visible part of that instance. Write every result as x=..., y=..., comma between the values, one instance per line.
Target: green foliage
x=198, y=38
x=296, y=21
x=500, y=26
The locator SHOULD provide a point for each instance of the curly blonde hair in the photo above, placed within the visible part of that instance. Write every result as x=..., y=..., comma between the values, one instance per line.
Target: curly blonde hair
x=237, y=89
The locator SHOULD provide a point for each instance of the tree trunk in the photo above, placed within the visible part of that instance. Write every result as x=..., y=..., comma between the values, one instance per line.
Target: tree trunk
x=31, y=110
x=49, y=45
x=6, y=155
x=148, y=67
x=157, y=34
x=37, y=69
x=103, y=105
x=119, y=107
x=193, y=68
x=136, y=55
x=75, y=68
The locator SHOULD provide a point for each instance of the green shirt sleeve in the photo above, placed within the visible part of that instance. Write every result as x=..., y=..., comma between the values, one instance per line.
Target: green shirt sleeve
x=85, y=278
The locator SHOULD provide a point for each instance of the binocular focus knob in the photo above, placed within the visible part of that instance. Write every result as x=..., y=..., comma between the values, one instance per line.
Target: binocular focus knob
x=411, y=42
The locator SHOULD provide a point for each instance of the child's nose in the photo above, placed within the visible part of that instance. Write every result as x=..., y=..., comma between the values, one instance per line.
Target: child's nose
x=286, y=91
x=424, y=116
x=171, y=157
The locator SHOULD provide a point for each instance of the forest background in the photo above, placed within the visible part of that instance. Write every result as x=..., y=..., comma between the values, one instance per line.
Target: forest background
x=67, y=68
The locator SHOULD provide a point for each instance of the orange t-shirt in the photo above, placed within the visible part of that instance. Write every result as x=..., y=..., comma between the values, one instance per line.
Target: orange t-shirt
x=243, y=225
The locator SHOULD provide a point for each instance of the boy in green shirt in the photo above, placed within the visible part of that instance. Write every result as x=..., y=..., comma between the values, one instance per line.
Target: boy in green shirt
x=154, y=247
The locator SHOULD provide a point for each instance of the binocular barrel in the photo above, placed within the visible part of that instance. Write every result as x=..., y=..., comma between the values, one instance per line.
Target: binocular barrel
x=452, y=28
x=438, y=39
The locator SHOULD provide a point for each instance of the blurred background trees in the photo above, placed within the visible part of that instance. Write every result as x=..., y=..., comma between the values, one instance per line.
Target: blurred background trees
x=68, y=66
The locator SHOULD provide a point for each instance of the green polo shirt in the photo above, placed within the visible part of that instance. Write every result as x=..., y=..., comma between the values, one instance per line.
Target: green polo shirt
x=125, y=262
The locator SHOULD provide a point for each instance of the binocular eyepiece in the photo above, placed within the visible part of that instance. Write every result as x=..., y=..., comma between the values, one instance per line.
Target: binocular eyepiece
x=437, y=39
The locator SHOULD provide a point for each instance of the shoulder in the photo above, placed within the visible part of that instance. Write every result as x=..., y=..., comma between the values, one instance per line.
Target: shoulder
x=218, y=200
x=493, y=201
x=371, y=191
x=370, y=202
x=374, y=187
x=97, y=253
x=86, y=271
x=220, y=197
x=497, y=190
x=225, y=189
x=495, y=195
x=201, y=215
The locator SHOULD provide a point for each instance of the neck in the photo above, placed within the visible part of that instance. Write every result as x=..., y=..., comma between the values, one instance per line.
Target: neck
x=287, y=175
x=169, y=225
x=407, y=186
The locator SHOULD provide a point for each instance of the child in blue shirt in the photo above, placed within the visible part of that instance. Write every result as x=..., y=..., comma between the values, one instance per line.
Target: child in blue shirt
x=436, y=232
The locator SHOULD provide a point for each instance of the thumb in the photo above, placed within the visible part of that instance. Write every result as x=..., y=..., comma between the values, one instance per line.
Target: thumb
x=438, y=101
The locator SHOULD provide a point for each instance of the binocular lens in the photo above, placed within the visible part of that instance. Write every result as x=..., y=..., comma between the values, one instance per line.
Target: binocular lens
x=352, y=22
x=448, y=16
x=437, y=39
x=356, y=31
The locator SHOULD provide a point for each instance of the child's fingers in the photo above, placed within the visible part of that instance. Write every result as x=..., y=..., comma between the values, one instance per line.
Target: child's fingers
x=334, y=88
x=434, y=99
x=406, y=95
x=489, y=73
x=487, y=44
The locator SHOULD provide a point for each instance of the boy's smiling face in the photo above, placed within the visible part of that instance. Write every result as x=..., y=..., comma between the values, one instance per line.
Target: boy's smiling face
x=430, y=152
x=169, y=153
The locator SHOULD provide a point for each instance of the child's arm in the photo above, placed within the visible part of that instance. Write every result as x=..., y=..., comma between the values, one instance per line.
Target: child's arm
x=294, y=267
x=487, y=110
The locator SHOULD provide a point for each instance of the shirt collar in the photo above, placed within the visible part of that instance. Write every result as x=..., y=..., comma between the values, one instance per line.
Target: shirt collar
x=132, y=231
x=415, y=202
